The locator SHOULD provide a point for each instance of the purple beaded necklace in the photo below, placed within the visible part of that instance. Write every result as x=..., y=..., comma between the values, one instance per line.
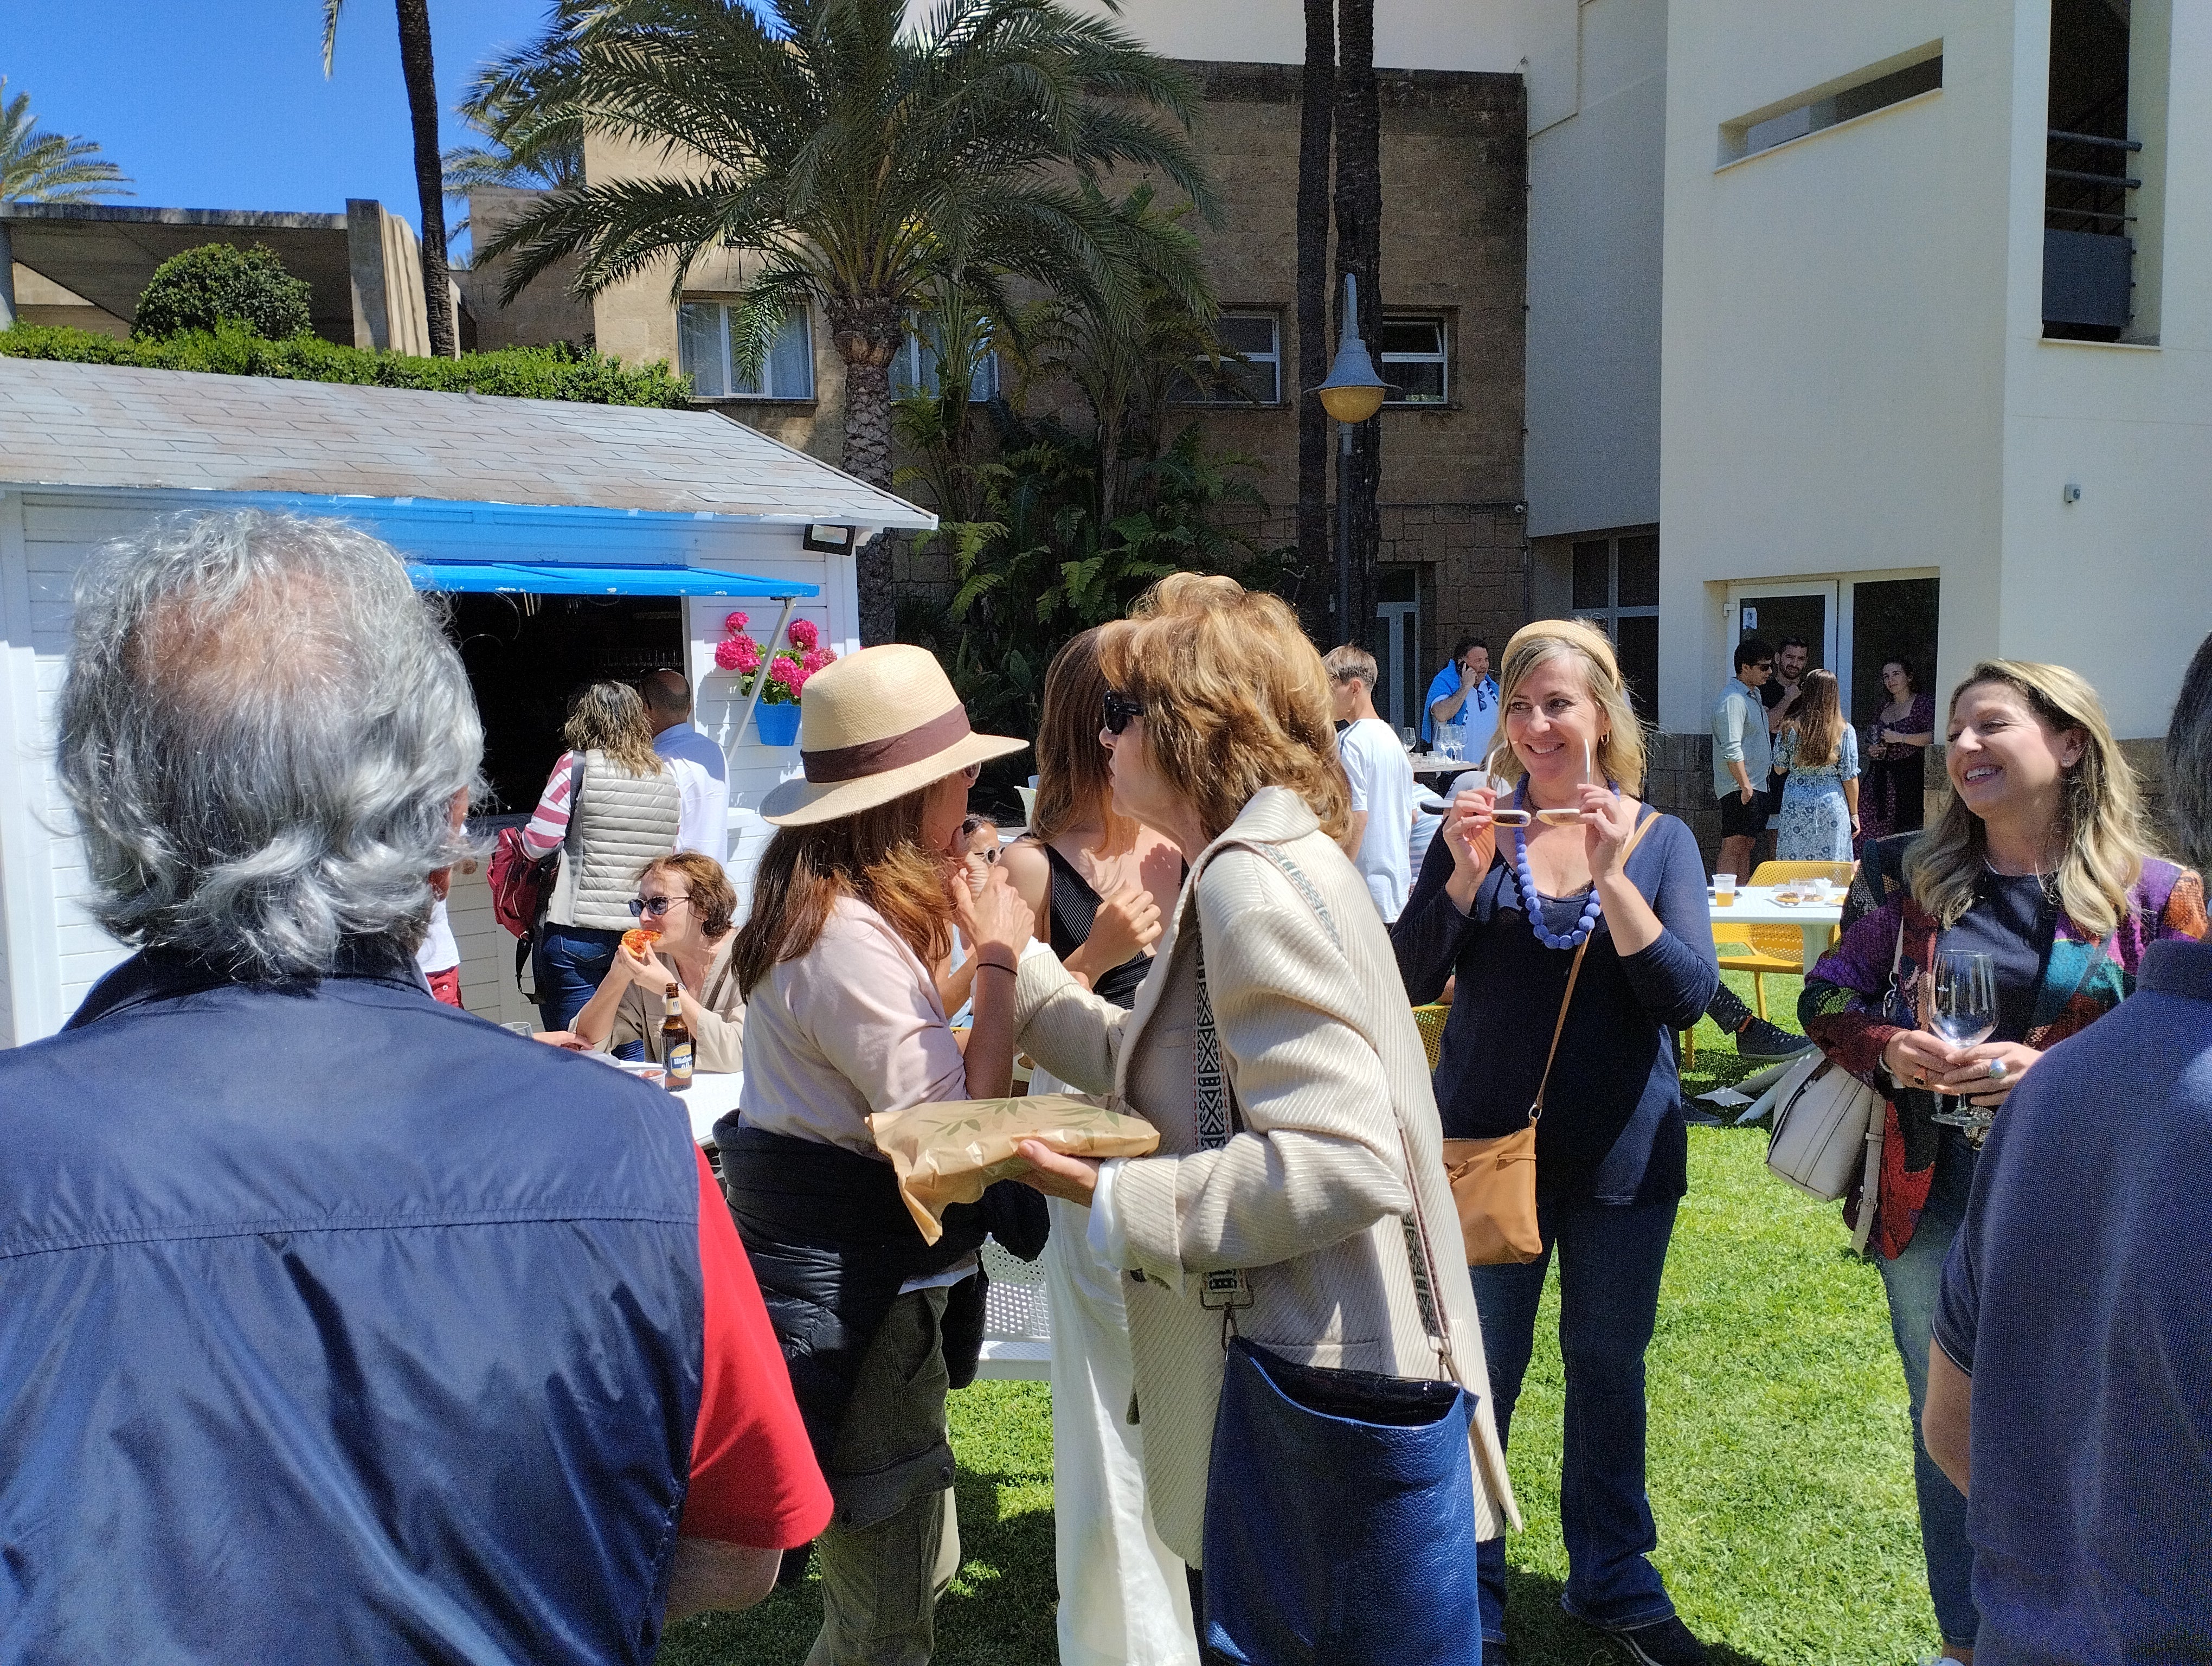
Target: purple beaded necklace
x=1532, y=901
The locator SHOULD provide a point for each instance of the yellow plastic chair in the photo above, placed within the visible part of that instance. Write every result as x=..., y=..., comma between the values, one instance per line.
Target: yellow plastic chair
x=1430, y=1021
x=1759, y=950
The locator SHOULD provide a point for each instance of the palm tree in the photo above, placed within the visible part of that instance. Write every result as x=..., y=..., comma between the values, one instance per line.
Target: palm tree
x=49, y=167
x=417, y=67
x=864, y=164
x=524, y=106
x=1317, y=97
x=1360, y=250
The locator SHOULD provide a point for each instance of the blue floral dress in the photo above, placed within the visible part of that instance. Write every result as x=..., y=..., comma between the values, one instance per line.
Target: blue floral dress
x=1816, y=818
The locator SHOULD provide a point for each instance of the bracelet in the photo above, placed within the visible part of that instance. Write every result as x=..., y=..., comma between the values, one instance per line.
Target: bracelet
x=995, y=966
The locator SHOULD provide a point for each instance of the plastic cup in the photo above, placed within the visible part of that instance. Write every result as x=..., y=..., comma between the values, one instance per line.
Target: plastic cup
x=1724, y=890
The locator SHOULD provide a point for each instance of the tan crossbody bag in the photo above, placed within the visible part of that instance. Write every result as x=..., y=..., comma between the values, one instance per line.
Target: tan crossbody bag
x=1493, y=1181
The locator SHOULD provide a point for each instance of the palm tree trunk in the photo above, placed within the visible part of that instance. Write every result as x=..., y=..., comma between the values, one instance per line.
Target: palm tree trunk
x=415, y=63
x=1360, y=250
x=1317, y=94
x=867, y=454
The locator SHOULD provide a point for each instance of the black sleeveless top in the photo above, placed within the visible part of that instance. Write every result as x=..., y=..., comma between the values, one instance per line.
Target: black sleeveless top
x=1074, y=908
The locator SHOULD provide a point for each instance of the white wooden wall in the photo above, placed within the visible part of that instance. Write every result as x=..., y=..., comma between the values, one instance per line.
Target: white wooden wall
x=51, y=951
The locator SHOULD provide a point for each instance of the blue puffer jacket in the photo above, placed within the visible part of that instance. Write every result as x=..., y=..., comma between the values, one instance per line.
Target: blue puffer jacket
x=336, y=1325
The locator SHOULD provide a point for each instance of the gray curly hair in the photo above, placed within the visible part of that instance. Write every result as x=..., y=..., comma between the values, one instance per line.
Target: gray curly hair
x=262, y=730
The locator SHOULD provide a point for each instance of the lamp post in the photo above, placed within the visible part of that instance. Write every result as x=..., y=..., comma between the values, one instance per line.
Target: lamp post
x=1353, y=393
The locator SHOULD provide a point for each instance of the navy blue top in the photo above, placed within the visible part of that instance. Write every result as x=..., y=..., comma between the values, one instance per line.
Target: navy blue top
x=336, y=1325
x=2076, y=1296
x=1611, y=1130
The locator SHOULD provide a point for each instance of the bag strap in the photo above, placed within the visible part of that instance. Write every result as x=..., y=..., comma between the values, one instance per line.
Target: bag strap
x=1216, y=1107
x=1574, y=971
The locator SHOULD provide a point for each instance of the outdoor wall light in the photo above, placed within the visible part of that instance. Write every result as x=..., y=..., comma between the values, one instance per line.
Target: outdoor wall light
x=827, y=540
x=1353, y=392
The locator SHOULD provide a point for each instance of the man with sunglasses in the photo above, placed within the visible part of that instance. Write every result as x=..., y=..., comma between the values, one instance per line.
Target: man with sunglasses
x=1742, y=756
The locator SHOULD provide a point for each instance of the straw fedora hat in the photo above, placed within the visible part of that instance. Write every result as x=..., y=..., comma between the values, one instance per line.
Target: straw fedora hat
x=874, y=726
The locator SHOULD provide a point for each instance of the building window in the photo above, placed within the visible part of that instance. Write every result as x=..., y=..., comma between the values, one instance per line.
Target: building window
x=1413, y=361
x=1257, y=381
x=921, y=356
x=1616, y=588
x=1876, y=88
x=703, y=348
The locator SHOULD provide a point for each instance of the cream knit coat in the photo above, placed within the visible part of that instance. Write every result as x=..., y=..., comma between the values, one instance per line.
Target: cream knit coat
x=1320, y=1045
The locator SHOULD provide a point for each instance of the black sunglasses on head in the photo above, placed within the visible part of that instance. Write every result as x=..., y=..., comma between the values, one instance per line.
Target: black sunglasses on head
x=1119, y=708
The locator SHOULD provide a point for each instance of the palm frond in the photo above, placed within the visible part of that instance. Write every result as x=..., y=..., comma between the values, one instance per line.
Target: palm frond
x=50, y=167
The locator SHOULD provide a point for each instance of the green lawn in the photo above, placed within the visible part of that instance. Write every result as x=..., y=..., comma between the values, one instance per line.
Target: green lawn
x=1780, y=1470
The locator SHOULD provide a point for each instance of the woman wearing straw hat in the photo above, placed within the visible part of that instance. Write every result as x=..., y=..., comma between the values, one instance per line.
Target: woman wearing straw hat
x=855, y=899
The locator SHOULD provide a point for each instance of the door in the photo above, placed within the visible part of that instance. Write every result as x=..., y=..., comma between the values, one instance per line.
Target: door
x=1398, y=647
x=1775, y=610
x=1891, y=619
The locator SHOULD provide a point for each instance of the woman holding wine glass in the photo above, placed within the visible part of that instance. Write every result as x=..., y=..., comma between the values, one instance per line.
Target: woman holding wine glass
x=2018, y=920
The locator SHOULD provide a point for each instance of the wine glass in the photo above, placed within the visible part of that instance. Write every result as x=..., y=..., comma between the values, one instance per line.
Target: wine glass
x=1574, y=813
x=1961, y=1007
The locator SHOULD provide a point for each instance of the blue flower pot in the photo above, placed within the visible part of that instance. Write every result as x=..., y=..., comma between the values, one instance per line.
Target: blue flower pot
x=777, y=726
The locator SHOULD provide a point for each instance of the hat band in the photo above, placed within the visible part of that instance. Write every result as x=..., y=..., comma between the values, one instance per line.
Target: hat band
x=874, y=758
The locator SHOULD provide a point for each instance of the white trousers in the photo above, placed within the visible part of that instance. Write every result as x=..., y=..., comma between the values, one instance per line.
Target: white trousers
x=1124, y=1596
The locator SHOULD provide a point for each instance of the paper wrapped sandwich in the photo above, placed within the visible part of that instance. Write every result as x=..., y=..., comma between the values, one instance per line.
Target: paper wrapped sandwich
x=948, y=1153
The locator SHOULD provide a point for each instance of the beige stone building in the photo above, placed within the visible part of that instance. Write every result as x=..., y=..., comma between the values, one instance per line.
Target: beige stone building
x=1453, y=553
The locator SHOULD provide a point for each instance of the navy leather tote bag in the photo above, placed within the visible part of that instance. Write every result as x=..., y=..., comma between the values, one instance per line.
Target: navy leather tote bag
x=1340, y=1504
x=1340, y=1519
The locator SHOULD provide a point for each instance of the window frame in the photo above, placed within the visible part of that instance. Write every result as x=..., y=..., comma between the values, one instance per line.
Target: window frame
x=1607, y=618
x=983, y=383
x=1442, y=358
x=1272, y=358
x=804, y=313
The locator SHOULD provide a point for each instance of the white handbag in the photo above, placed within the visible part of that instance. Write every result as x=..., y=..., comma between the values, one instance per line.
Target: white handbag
x=1828, y=1123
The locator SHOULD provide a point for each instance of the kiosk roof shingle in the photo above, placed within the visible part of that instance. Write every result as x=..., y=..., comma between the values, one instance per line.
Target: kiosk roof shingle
x=118, y=427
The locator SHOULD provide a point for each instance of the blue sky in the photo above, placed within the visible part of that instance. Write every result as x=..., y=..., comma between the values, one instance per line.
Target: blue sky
x=222, y=103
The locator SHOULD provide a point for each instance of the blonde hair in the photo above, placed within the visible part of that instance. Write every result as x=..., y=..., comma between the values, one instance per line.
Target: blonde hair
x=1234, y=696
x=610, y=718
x=1619, y=755
x=1818, y=720
x=2100, y=810
x=1073, y=781
x=1351, y=660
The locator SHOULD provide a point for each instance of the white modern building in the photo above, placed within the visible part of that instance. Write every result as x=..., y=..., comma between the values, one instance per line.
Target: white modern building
x=1886, y=324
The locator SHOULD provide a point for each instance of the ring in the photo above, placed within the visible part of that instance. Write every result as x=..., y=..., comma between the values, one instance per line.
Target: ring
x=1997, y=1070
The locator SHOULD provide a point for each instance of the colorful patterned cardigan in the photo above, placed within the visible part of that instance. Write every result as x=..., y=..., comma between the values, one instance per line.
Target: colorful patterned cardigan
x=1843, y=1006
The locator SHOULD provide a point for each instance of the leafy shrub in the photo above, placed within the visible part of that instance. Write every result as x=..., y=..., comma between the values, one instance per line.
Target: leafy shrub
x=202, y=288
x=234, y=348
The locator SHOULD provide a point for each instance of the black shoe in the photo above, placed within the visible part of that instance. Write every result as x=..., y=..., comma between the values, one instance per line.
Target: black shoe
x=1769, y=1043
x=1664, y=1643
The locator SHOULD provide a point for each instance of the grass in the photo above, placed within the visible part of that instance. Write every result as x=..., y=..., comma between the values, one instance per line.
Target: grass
x=1781, y=1467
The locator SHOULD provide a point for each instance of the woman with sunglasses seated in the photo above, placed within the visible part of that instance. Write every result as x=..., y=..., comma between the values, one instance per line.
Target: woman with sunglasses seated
x=688, y=898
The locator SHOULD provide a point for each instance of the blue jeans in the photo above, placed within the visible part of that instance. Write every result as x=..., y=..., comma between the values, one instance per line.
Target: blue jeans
x=1914, y=1281
x=568, y=965
x=1610, y=1259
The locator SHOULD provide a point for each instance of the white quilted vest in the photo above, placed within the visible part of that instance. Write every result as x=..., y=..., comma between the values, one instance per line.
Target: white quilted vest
x=617, y=823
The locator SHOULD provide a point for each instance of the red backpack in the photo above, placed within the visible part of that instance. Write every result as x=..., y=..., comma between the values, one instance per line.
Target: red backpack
x=519, y=881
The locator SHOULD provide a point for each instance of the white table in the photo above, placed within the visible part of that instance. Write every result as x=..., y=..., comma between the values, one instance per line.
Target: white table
x=709, y=1099
x=1755, y=906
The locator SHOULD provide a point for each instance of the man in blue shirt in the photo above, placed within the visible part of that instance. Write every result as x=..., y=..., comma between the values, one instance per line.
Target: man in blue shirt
x=1463, y=695
x=2070, y=1379
x=336, y=1325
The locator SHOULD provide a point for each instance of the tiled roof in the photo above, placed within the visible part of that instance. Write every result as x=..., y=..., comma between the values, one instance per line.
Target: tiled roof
x=111, y=426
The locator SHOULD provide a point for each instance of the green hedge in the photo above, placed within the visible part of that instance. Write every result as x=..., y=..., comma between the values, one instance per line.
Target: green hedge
x=558, y=371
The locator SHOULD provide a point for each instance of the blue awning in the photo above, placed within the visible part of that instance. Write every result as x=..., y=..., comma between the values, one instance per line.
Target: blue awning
x=568, y=578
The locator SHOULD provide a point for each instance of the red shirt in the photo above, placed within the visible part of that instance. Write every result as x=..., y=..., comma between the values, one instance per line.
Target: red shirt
x=754, y=1479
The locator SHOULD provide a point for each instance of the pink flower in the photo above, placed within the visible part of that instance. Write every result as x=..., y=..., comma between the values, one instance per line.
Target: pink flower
x=727, y=652
x=815, y=658
x=735, y=623
x=749, y=654
x=785, y=670
x=805, y=633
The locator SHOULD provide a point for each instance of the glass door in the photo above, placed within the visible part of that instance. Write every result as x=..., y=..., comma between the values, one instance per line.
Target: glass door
x=1398, y=648
x=1776, y=610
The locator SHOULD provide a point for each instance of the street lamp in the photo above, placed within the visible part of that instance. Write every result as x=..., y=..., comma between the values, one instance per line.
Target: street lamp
x=1353, y=393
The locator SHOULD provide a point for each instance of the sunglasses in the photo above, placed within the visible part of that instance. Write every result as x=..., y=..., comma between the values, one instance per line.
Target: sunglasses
x=655, y=906
x=1119, y=708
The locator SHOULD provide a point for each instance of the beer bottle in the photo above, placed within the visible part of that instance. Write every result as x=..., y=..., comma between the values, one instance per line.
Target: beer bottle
x=675, y=1041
